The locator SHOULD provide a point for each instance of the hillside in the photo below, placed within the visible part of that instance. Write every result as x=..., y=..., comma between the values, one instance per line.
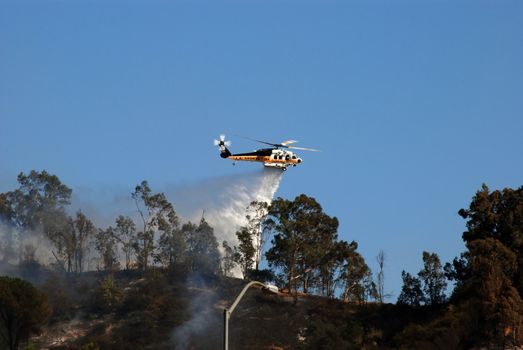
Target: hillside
x=166, y=310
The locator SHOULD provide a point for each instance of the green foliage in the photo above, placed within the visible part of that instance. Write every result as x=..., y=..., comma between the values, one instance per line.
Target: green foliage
x=38, y=203
x=262, y=275
x=202, y=248
x=125, y=234
x=304, y=237
x=411, y=292
x=39, y=194
x=489, y=296
x=157, y=214
x=228, y=261
x=82, y=231
x=105, y=244
x=428, y=288
x=356, y=279
x=433, y=279
x=23, y=311
x=490, y=273
x=245, y=252
x=498, y=215
x=90, y=346
x=108, y=295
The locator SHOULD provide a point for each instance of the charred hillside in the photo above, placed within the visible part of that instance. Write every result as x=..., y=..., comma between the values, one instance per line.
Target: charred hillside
x=166, y=310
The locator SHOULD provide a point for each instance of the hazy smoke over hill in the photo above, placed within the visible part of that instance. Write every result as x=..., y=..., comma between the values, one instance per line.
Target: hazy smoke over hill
x=223, y=201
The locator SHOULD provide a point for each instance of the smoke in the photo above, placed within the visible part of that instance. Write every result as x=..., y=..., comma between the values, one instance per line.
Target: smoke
x=104, y=204
x=23, y=244
x=223, y=201
x=204, y=316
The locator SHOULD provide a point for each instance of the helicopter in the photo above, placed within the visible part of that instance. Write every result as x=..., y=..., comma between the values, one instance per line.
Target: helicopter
x=278, y=156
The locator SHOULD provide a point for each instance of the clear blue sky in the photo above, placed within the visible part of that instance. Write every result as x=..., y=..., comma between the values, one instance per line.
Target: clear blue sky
x=414, y=103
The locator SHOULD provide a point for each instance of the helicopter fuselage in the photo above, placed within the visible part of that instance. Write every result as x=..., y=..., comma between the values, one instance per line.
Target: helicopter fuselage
x=270, y=157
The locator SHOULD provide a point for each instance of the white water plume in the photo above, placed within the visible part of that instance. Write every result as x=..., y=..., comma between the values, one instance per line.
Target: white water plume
x=223, y=201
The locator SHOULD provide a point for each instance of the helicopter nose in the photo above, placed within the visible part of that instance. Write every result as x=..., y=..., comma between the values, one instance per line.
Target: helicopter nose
x=299, y=160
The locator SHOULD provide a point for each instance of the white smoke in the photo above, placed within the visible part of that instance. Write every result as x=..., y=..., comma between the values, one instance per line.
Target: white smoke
x=16, y=245
x=204, y=315
x=223, y=201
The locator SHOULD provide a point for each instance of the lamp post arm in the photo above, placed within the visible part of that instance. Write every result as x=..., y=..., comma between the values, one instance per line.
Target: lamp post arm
x=227, y=312
x=244, y=290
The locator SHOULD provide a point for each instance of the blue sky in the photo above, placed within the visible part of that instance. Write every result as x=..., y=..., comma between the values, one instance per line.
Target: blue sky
x=414, y=103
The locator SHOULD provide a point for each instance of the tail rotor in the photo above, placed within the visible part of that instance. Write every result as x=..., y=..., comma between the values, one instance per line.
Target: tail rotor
x=222, y=145
x=222, y=141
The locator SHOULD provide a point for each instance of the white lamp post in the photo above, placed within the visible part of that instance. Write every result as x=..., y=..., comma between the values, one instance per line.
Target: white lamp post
x=227, y=312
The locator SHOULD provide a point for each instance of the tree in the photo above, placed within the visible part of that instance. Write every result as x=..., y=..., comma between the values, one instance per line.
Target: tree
x=38, y=203
x=6, y=211
x=303, y=234
x=411, y=292
x=60, y=230
x=380, y=279
x=320, y=241
x=108, y=294
x=258, y=231
x=489, y=275
x=155, y=210
x=356, y=278
x=23, y=310
x=83, y=230
x=229, y=258
x=171, y=245
x=202, y=248
x=498, y=215
x=72, y=238
x=488, y=299
x=333, y=266
x=39, y=194
x=245, y=252
x=433, y=278
x=105, y=244
x=125, y=234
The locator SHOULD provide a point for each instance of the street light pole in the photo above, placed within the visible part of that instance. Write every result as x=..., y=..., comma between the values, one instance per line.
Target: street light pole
x=226, y=316
x=227, y=312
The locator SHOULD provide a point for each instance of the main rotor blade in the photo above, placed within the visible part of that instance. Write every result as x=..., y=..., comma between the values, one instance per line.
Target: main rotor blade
x=305, y=149
x=288, y=142
x=267, y=143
